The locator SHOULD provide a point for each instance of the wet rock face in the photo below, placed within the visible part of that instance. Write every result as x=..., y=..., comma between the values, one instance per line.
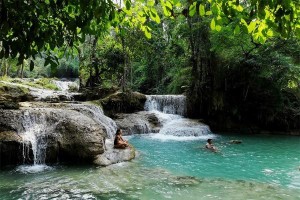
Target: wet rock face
x=68, y=135
x=81, y=139
x=10, y=148
x=138, y=123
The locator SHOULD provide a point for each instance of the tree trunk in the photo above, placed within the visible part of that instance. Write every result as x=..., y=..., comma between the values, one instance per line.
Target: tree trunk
x=199, y=95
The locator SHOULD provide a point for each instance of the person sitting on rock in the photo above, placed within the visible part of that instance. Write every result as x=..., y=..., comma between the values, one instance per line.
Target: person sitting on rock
x=209, y=145
x=119, y=142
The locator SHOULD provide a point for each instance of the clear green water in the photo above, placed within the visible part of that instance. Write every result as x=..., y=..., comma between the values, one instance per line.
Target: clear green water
x=262, y=167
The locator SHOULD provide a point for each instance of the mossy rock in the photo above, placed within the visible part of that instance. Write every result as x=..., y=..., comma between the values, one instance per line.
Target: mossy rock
x=96, y=93
x=10, y=95
x=123, y=102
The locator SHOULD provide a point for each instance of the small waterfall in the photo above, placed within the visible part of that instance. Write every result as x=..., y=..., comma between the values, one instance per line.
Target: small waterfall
x=170, y=109
x=34, y=134
x=170, y=104
x=65, y=86
x=96, y=113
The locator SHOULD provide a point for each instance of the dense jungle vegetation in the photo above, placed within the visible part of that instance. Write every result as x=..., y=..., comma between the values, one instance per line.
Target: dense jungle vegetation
x=238, y=62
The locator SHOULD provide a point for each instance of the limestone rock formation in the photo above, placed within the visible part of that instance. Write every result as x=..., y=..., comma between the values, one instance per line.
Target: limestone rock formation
x=61, y=132
x=112, y=155
x=138, y=123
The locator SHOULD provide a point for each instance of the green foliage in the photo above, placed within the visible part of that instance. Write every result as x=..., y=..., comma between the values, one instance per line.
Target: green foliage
x=103, y=63
x=47, y=24
x=262, y=81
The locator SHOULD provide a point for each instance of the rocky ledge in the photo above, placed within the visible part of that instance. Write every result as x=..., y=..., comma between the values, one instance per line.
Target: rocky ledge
x=62, y=134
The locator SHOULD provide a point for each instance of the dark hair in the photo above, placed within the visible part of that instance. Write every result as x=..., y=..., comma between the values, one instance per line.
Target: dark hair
x=118, y=131
x=208, y=140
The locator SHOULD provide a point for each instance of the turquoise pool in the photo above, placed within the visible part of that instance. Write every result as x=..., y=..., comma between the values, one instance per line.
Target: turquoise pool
x=262, y=167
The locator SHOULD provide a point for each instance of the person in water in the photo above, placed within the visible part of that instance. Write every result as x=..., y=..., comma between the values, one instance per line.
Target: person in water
x=119, y=142
x=209, y=145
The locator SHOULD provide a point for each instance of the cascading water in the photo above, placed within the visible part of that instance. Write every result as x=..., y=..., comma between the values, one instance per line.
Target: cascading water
x=65, y=86
x=35, y=135
x=170, y=110
x=170, y=104
x=96, y=113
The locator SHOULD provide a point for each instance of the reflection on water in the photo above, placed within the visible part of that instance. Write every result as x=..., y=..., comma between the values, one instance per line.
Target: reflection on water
x=259, y=168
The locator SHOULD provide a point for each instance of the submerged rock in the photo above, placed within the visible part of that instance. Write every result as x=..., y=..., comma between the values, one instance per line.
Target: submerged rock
x=235, y=141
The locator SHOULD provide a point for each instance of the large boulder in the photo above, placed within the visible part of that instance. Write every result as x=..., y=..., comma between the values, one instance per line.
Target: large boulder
x=138, y=123
x=67, y=134
x=123, y=102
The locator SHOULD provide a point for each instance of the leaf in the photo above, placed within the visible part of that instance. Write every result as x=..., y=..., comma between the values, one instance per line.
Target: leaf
x=239, y=8
x=213, y=24
x=218, y=27
x=270, y=33
x=31, y=67
x=244, y=22
x=208, y=12
x=236, y=30
x=147, y=34
x=128, y=4
x=154, y=16
x=251, y=27
x=166, y=11
x=201, y=10
x=150, y=3
x=192, y=9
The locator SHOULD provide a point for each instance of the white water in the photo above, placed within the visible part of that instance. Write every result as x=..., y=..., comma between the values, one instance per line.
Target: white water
x=170, y=104
x=96, y=113
x=34, y=134
x=66, y=85
x=170, y=109
x=40, y=94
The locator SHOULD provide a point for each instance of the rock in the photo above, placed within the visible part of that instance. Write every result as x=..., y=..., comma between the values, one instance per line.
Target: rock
x=138, y=123
x=112, y=155
x=9, y=105
x=96, y=93
x=123, y=102
x=235, y=141
x=70, y=136
x=10, y=95
x=10, y=148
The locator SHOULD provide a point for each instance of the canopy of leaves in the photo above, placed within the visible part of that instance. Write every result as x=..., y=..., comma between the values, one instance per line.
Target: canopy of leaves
x=28, y=27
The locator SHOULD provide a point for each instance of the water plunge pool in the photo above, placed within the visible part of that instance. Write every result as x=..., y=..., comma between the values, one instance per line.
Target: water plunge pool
x=262, y=167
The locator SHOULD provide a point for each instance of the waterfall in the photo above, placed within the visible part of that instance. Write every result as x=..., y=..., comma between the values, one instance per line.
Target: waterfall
x=34, y=134
x=170, y=104
x=65, y=86
x=96, y=113
x=170, y=111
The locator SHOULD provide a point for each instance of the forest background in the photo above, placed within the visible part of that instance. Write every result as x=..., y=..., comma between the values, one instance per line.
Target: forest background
x=238, y=62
